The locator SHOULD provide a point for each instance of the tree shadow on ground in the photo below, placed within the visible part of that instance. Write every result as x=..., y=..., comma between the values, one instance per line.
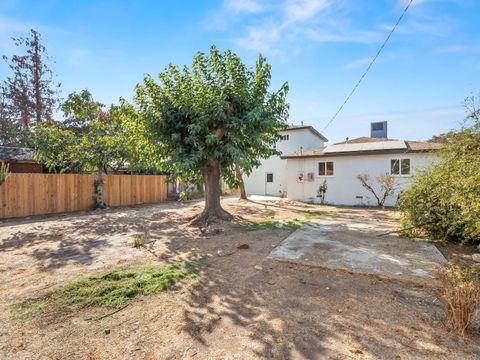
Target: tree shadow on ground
x=80, y=239
x=291, y=313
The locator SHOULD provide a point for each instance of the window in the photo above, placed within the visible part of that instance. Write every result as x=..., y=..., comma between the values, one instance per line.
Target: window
x=284, y=137
x=400, y=167
x=325, y=168
x=269, y=177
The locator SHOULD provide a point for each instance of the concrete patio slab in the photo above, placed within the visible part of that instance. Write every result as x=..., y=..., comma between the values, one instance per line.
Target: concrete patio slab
x=353, y=246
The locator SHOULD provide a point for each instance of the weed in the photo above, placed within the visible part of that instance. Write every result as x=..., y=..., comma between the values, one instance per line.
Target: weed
x=3, y=172
x=111, y=290
x=138, y=240
x=460, y=293
x=275, y=224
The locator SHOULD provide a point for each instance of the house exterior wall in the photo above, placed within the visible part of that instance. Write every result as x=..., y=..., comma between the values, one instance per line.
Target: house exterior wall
x=343, y=187
x=256, y=183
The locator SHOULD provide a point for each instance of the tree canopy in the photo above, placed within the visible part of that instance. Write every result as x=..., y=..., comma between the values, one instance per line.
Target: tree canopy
x=90, y=138
x=211, y=116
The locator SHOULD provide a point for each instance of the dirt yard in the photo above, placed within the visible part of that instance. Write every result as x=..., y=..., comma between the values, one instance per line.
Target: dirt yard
x=238, y=311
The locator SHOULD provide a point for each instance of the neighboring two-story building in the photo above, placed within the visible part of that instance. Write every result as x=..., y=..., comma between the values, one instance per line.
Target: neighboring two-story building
x=306, y=163
x=270, y=178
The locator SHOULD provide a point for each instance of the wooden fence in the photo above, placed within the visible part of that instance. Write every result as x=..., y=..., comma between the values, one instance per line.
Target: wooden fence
x=38, y=194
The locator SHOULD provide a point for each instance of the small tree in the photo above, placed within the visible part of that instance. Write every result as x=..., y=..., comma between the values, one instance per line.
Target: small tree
x=31, y=90
x=91, y=139
x=386, y=183
x=211, y=117
x=321, y=192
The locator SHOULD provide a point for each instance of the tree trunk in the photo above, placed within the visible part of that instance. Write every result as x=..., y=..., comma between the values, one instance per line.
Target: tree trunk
x=99, y=199
x=213, y=210
x=241, y=184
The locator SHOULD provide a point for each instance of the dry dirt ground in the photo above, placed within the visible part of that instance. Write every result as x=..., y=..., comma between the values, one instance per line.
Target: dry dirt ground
x=282, y=311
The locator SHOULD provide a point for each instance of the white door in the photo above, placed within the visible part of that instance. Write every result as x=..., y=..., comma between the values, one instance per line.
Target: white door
x=269, y=184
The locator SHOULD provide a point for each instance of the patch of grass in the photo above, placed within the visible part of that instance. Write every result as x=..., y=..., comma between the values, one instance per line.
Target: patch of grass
x=271, y=224
x=112, y=289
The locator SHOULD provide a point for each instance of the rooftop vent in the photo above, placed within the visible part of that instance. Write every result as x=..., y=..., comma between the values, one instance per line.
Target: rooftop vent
x=378, y=130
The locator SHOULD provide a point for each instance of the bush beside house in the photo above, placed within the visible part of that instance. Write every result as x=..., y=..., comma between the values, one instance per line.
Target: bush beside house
x=444, y=201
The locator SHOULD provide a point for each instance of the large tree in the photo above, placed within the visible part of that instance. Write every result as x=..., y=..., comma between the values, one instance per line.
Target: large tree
x=212, y=116
x=31, y=91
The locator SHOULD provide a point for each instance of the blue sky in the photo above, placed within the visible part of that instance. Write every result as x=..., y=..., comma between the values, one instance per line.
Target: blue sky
x=321, y=47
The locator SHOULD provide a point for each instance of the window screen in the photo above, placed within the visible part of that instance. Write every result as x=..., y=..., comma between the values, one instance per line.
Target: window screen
x=321, y=169
x=270, y=178
x=395, y=167
x=400, y=167
x=325, y=168
x=405, y=166
x=329, y=168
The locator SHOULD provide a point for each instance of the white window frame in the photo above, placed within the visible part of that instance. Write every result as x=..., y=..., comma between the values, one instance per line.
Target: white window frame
x=325, y=162
x=400, y=167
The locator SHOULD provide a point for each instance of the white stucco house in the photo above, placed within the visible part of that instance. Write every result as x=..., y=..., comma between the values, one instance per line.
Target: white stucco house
x=299, y=173
x=270, y=178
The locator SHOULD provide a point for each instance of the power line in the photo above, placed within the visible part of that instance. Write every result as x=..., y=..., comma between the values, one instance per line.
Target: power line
x=369, y=66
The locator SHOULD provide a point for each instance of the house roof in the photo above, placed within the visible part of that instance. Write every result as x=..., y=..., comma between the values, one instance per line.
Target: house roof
x=311, y=128
x=371, y=146
x=10, y=153
x=363, y=139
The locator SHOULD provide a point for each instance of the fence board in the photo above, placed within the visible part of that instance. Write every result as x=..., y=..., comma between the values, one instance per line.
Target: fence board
x=25, y=194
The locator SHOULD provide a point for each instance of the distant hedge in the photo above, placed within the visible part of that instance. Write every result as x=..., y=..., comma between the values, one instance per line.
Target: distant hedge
x=444, y=201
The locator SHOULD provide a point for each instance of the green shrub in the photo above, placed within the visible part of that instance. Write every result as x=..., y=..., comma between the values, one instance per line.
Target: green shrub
x=185, y=195
x=444, y=201
x=460, y=294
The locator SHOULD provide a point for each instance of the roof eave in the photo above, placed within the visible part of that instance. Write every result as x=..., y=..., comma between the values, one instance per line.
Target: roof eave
x=309, y=127
x=357, y=153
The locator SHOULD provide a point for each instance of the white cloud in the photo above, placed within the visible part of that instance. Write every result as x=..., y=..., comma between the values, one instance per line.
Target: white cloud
x=451, y=49
x=302, y=10
x=296, y=22
x=350, y=36
x=262, y=39
x=247, y=6
x=362, y=62
x=10, y=27
x=275, y=27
